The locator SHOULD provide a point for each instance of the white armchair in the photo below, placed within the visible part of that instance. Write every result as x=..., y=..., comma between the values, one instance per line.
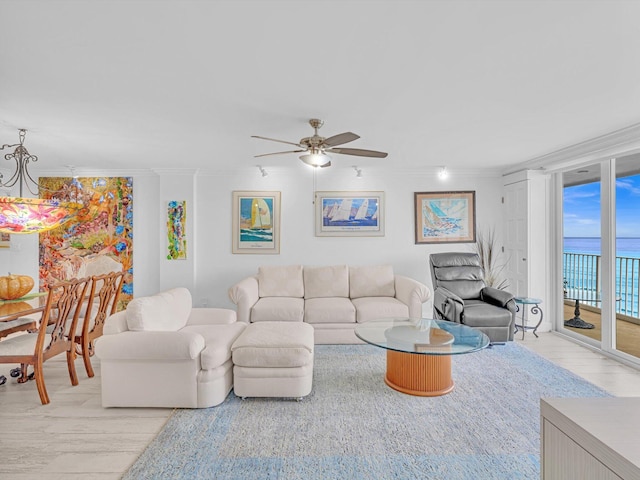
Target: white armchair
x=161, y=352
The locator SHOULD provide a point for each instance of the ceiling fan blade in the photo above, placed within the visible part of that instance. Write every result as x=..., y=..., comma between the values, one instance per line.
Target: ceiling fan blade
x=276, y=140
x=340, y=139
x=278, y=153
x=357, y=151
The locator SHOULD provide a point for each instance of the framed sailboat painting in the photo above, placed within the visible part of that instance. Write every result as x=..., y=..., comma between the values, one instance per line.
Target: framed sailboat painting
x=349, y=214
x=256, y=222
x=445, y=217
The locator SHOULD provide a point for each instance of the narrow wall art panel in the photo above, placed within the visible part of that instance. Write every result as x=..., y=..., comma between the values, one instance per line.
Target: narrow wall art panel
x=177, y=230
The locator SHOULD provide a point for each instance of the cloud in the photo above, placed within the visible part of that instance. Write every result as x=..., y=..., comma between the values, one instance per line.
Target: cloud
x=626, y=184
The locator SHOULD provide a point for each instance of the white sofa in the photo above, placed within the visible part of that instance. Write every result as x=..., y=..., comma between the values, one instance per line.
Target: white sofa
x=333, y=299
x=161, y=352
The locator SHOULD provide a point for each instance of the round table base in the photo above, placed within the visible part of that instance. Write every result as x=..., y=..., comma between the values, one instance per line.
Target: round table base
x=578, y=323
x=421, y=375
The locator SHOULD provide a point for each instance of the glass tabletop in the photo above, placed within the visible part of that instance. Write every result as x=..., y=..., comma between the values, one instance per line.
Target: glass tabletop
x=425, y=336
x=527, y=300
x=585, y=295
x=12, y=309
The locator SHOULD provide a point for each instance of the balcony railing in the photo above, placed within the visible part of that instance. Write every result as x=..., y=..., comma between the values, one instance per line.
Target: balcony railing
x=582, y=271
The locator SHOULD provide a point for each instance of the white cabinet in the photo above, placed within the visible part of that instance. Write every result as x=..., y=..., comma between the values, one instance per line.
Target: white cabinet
x=590, y=438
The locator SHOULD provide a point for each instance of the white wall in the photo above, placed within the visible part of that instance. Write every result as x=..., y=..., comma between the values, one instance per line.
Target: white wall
x=211, y=268
x=218, y=268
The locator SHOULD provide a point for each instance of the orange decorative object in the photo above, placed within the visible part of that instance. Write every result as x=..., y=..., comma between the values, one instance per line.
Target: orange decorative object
x=14, y=307
x=15, y=286
x=33, y=215
x=422, y=375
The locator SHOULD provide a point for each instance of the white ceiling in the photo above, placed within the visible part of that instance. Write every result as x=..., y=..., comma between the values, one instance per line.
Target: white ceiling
x=183, y=84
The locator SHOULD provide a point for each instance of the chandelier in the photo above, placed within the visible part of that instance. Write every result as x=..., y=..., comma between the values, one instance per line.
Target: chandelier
x=29, y=215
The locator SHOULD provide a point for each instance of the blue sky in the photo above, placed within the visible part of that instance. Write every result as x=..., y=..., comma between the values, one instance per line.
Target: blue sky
x=582, y=209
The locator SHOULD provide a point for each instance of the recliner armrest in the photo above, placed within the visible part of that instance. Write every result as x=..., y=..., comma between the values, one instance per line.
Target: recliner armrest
x=449, y=295
x=448, y=304
x=150, y=346
x=496, y=297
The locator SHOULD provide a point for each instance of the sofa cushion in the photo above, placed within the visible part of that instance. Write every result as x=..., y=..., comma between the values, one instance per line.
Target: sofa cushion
x=282, y=309
x=374, y=308
x=164, y=312
x=326, y=281
x=372, y=281
x=218, y=340
x=329, y=310
x=274, y=344
x=280, y=281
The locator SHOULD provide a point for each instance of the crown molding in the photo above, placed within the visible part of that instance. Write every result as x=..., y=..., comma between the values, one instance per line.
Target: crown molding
x=620, y=142
x=367, y=171
x=93, y=172
x=176, y=171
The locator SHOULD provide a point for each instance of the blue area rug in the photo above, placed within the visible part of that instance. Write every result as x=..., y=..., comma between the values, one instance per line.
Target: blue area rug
x=353, y=426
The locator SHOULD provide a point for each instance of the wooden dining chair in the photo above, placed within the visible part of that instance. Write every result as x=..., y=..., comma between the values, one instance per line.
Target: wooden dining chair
x=61, y=313
x=102, y=302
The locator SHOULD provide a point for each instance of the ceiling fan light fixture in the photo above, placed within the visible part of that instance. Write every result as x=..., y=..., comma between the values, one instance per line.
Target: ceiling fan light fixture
x=318, y=159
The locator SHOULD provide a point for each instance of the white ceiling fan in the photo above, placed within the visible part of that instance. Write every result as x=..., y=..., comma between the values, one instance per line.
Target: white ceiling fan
x=316, y=149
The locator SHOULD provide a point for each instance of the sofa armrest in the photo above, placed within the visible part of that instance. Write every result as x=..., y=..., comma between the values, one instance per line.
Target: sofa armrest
x=497, y=297
x=448, y=304
x=245, y=294
x=211, y=316
x=116, y=323
x=150, y=346
x=412, y=293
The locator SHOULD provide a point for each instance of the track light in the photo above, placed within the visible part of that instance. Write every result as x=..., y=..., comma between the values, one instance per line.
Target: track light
x=443, y=173
x=358, y=171
x=262, y=170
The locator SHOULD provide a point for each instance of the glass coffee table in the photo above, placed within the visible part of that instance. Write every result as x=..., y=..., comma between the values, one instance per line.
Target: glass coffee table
x=419, y=351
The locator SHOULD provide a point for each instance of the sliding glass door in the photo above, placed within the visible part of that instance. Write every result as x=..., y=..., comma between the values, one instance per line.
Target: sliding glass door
x=601, y=255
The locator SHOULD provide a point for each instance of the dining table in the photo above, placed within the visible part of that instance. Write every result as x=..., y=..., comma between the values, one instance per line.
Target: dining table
x=20, y=314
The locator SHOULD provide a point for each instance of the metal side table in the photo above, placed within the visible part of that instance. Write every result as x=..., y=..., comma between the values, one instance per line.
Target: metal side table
x=535, y=309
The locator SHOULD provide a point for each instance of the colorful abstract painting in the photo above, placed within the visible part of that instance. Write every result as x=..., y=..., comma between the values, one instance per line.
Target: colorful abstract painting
x=177, y=230
x=99, y=240
x=445, y=217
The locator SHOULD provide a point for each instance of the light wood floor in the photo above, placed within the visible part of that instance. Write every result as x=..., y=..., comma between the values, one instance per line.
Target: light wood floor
x=74, y=438
x=627, y=333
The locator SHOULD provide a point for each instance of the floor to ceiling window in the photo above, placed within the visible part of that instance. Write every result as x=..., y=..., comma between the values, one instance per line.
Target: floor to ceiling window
x=582, y=252
x=627, y=258
x=591, y=199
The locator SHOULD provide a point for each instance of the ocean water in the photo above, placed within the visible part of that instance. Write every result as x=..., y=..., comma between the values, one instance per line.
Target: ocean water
x=581, y=273
x=625, y=247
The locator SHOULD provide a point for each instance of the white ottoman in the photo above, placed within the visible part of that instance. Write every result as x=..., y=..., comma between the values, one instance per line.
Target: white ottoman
x=273, y=359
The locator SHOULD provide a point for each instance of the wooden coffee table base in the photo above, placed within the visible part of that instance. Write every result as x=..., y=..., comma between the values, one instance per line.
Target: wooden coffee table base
x=415, y=374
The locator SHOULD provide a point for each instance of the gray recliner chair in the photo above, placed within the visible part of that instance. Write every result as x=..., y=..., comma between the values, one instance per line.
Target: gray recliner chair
x=460, y=295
